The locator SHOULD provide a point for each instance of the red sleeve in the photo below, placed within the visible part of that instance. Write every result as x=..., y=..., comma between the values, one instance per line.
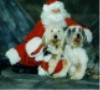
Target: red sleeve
x=36, y=32
x=70, y=22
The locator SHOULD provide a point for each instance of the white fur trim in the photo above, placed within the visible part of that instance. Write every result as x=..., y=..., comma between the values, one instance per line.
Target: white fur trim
x=56, y=4
x=88, y=34
x=32, y=45
x=13, y=56
x=41, y=71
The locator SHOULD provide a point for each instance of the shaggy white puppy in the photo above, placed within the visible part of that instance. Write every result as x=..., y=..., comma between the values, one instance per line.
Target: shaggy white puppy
x=54, y=39
x=54, y=42
x=76, y=38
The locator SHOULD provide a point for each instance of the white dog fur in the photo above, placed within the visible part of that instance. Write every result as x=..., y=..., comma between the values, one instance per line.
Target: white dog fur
x=54, y=40
x=74, y=51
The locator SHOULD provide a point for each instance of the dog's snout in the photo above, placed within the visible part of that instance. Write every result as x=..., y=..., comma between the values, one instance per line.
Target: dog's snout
x=55, y=36
x=78, y=35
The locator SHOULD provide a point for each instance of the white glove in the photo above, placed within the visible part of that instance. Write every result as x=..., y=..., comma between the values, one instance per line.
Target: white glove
x=34, y=47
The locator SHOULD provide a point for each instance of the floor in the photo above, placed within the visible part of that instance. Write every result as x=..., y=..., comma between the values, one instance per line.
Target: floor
x=10, y=80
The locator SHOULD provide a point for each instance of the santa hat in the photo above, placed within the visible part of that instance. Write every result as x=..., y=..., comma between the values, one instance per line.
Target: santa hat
x=52, y=4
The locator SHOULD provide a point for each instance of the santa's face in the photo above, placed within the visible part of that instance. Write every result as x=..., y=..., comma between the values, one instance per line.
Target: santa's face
x=57, y=14
x=54, y=15
x=55, y=11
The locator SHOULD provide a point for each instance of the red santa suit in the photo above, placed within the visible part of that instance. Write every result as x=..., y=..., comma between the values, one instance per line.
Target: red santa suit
x=26, y=52
x=45, y=67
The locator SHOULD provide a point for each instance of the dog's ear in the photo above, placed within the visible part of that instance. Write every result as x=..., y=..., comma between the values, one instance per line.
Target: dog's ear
x=85, y=43
x=43, y=40
x=88, y=35
x=65, y=36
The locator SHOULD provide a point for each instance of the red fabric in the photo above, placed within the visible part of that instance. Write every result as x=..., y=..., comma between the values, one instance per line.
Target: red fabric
x=25, y=59
x=70, y=22
x=37, y=50
x=45, y=65
x=38, y=31
x=50, y=2
x=58, y=67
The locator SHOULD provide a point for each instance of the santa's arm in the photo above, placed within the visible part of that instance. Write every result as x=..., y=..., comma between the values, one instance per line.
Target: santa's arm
x=37, y=31
x=34, y=41
x=30, y=44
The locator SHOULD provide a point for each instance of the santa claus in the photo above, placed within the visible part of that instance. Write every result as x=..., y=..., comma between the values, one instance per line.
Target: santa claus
x=53, y=14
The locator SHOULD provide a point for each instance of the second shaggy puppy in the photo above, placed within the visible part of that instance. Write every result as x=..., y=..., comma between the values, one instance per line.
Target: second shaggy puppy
x=76, y=38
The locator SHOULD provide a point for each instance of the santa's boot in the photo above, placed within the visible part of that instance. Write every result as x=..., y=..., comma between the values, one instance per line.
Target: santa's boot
x=4, y=63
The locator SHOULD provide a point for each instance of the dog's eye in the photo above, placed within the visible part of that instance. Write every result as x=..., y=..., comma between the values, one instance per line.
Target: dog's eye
x=73, y=30
x=69, y=31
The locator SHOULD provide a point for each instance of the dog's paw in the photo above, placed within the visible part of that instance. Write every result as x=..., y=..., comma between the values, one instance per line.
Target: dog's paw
x=55, y=76
x=58, y=75
x=72, y=71
x=41, y=71
x=75, y=78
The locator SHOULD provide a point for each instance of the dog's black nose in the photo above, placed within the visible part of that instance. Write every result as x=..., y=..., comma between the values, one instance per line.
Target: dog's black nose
x=78, y=35
x=55, y=36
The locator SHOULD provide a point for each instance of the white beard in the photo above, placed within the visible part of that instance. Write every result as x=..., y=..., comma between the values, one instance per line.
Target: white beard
x=50, y=19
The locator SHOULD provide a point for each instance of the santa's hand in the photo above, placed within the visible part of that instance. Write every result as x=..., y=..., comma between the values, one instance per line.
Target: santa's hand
x=34, y=47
